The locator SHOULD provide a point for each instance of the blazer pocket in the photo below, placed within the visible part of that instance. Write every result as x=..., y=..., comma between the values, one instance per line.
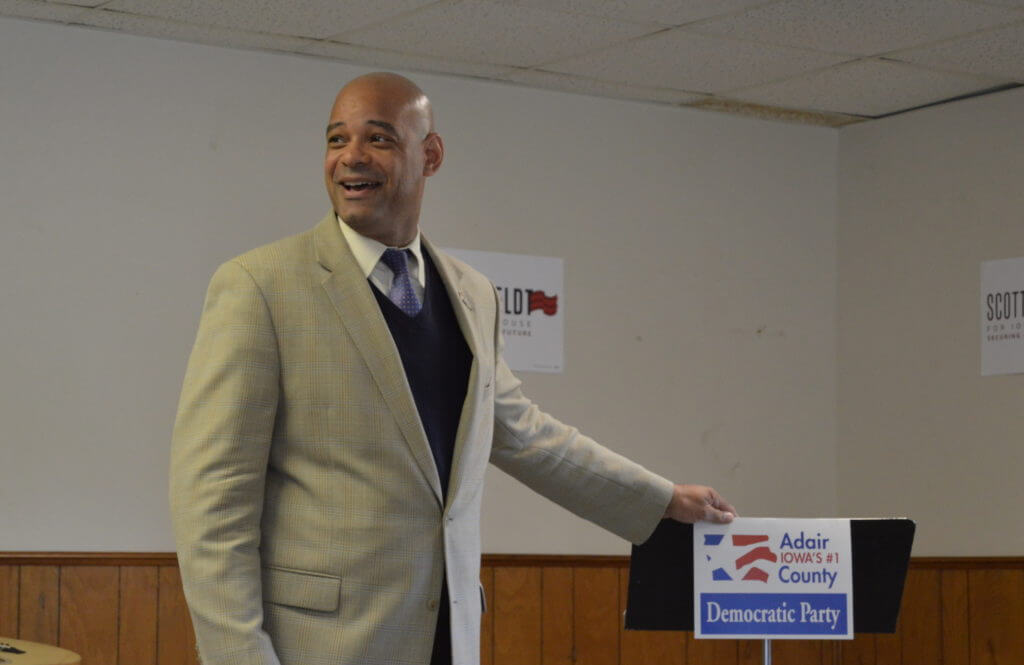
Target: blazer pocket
x=297, y=588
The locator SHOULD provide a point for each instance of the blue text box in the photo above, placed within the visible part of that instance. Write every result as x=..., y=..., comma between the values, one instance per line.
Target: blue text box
x=773, y=614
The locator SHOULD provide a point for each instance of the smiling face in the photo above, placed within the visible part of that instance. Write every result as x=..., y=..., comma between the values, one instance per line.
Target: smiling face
x=380, y=149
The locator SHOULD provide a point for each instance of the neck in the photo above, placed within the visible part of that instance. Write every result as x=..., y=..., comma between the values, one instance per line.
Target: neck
x=398, y=235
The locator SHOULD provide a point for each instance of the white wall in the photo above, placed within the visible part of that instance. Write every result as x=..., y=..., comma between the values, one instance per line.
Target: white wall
x=924, y=198
x=700, y=271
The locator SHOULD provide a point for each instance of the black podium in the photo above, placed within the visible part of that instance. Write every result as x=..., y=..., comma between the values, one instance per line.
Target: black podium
x=660, y=593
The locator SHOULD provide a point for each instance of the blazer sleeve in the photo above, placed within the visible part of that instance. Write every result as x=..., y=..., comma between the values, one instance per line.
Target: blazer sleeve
x=219, y=455
x=571, y=469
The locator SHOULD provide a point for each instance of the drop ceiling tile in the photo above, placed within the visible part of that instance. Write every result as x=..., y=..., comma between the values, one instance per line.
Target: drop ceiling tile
x=300, y=18
x=188, y=32
x=372, y=57
x=44, y=11
x=1002, y=3
x=494, y=33
x=80, y=3
x=998, y=53
x=861, y=27
x=682, y=60
x=585, y=86
x=865, y=87
x=664, y=12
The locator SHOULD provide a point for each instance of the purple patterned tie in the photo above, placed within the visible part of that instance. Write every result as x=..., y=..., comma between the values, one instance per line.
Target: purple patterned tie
x=402, y=293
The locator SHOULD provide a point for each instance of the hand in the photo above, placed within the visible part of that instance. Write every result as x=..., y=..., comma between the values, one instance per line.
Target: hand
x=693, y=503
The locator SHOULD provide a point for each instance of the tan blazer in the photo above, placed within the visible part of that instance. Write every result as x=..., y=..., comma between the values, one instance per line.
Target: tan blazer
x=306, y=504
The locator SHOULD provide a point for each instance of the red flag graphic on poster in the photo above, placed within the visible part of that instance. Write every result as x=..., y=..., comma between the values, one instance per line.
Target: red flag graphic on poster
x=543, y=302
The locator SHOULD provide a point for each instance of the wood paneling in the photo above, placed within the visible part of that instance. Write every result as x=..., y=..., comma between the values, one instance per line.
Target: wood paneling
x=38, y=602
x=517, y=616
x=750, y=652
x=88, y=612
x=859, y=651
x=9, y=600
x=888, y=650
x=796, y=652
x=955, y=618
x=719, y=652
x=176, y=643
x=138, y=598
x=596, y=616
x=920, y=625
x=128, y=609
x=557, y=643
x=997, y=633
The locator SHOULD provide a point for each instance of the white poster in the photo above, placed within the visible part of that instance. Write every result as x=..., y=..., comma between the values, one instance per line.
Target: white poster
x=760, y=578
x=531, y=306
x=1002, y=317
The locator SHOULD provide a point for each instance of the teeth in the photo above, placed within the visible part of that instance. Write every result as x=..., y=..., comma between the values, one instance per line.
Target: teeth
x=358, y=185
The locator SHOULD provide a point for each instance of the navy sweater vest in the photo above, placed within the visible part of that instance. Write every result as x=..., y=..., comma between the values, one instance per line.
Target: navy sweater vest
x=436, y=362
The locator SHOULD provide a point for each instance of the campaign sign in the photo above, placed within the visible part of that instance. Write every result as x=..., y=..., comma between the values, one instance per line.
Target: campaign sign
x=773, y=579
x=531, y=306
x=1002, y=317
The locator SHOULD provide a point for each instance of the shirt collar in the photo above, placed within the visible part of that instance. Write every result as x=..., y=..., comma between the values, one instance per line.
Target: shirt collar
x=368, y=251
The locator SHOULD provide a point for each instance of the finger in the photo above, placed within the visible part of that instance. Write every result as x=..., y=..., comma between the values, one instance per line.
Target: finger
x=727, y=507
x=717, y=516
x=719, y=502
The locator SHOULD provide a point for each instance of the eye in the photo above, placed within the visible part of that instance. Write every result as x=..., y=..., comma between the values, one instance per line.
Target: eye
x=381, y=138
x=335, y=139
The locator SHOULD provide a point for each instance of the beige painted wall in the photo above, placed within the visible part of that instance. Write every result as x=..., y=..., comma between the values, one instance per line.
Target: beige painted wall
x=701, y=264
x=699, y=249
x=925, y=197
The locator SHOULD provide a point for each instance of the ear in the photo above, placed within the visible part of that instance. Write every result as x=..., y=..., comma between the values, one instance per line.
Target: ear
x=433, y=151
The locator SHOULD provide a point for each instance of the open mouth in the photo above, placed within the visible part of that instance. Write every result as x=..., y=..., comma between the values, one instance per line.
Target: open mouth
x=360, y=185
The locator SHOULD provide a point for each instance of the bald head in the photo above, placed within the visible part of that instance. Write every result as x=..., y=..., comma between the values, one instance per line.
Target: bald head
x=394, y=91
x=381, y=146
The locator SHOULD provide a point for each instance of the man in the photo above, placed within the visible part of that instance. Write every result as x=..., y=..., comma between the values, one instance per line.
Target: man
x=339, y=409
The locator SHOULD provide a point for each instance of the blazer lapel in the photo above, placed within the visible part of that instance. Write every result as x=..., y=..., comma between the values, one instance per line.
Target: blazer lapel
x=357, y=308
x=465, y=312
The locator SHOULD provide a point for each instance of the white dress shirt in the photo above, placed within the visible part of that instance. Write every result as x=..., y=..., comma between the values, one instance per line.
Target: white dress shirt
x=368, y=252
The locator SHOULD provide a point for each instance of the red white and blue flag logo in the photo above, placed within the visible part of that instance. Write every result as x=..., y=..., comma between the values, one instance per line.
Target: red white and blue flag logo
x=747, y=564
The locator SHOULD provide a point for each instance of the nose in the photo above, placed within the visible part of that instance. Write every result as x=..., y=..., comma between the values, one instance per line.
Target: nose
x=353, y=155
